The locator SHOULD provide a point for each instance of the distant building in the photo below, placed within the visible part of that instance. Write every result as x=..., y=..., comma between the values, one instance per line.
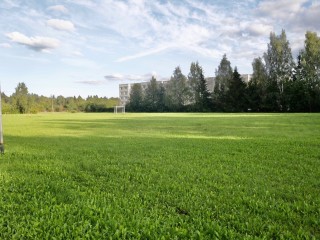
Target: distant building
x=125, y=89
x=210, y=83
x=124, y=93
x=246, y=77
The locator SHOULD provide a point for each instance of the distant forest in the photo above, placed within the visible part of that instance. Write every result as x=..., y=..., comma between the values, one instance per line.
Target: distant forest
x=21, y=101
x=278, y=84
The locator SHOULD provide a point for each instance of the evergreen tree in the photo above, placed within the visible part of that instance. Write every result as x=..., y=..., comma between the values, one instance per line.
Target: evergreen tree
x=136, y=98
x=193, y=82
x=236, y=95
x=203, y=99
x=199, y=94
x=177, y=91
x=257, y=86
x=224, y=74
x=297, y=94
x=151, y=98
x=161, y=106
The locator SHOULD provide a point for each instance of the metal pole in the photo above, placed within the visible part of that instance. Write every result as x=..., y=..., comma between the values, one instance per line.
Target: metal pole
x=52, y=103
x=1, y=133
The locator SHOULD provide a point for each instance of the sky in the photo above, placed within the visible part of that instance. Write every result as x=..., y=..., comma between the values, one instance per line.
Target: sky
x=89, y=47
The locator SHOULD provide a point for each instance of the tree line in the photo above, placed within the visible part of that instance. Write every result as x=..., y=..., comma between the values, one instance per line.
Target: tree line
x=278, y=84
x=21, y=101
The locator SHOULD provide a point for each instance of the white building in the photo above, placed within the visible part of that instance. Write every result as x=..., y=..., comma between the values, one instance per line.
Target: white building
x=125, y=89
x=124, y=93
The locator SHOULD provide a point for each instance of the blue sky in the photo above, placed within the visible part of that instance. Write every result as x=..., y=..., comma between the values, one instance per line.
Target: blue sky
x=89, y=47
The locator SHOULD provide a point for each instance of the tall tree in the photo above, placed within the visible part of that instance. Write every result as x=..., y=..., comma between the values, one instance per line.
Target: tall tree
x=199, y=94
x=161, y=106
x=193, y=81
x=136, y=98
x=310, y=62
x=177, y=91
x=297, y=93
x=224, y=74
x=151, y=98
x=279, y=66
x=257, y=85
x=236, y=95
x=203, y=100
x=20, y=97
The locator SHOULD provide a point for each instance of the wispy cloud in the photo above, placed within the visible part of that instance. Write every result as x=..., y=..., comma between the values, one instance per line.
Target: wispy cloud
x=58, y=8
x=154, y=27
x=91, y=82
x=5, y=45
x=135, y=78
x=35, y=43
x=60, y=24
x=145, y=53
x=256, y=29
x=280, y=9
x=77, y=54
x=8, y=4
x=80, y=63
x=205, y=28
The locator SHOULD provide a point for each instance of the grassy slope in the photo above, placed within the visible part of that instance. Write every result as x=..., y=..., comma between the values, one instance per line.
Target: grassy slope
x=160, y=175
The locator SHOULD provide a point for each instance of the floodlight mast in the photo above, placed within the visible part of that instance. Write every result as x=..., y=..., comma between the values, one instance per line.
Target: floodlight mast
x=1, y=133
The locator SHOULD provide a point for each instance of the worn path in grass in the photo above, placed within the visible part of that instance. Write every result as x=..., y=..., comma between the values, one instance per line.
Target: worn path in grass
x=149, y=176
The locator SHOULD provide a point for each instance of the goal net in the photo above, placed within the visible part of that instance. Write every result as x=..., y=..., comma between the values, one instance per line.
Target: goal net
x=119, y=109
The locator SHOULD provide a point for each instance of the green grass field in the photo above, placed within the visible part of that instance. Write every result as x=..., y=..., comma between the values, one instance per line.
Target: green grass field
x=160, y=176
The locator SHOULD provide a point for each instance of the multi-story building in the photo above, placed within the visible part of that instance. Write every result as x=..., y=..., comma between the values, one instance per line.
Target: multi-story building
x=125, y=89
x=246, y=77
x=210, y=83
x=124, y=93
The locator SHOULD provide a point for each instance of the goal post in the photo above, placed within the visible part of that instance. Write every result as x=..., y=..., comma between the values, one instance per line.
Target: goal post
x=119, y=109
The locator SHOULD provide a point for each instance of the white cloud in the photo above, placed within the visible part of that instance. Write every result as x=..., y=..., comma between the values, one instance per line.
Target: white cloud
x=116, y=77
x=308, y=18
x=280, y=8
x=131, y=77
x=8, y=4
x=60, y=24
x=258, y=29
x=91, y=82
x=85, y=3
x=5, y=45
x=77, y=54
x=80, y=63
x=295, y=17
x=144, y=53
x=35, y=43
x=58, y=8
x=156, y=27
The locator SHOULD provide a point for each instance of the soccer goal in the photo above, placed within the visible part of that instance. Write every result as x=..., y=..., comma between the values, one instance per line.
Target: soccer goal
x=119, y=109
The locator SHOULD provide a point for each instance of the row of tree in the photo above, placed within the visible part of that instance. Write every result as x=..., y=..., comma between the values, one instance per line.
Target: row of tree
x=278, y=84
x=21, y=101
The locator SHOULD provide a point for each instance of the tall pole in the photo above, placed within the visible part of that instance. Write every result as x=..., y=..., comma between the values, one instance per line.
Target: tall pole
x=52, y=103
x=1, y=133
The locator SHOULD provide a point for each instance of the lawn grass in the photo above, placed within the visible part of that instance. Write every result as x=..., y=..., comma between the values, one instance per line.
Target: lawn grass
x=153, y=176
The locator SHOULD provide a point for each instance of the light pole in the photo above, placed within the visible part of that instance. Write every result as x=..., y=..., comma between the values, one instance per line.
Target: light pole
x=1, y=133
